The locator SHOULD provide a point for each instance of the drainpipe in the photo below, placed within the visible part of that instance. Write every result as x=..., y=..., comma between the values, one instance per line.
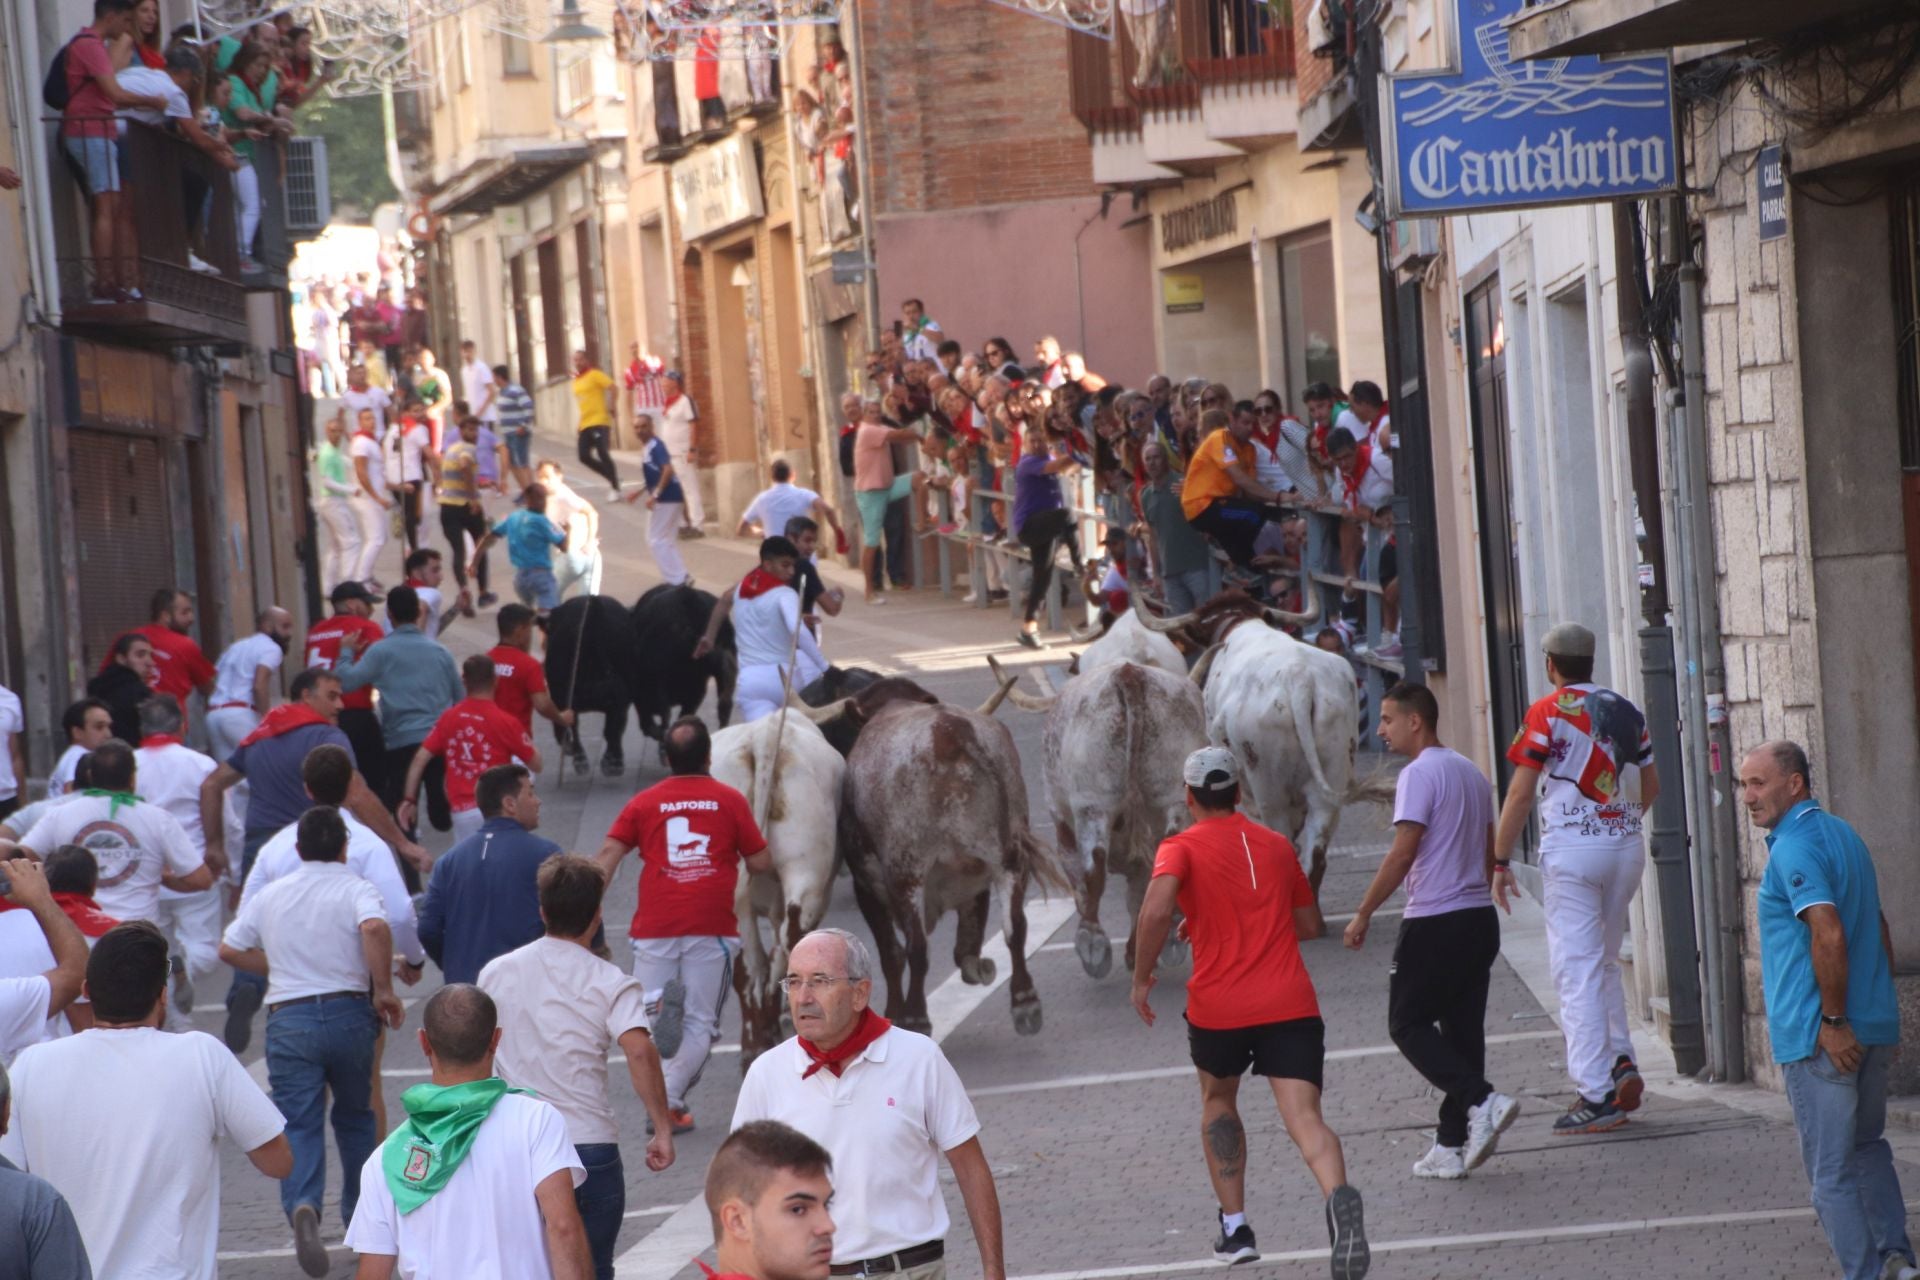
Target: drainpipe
x=1721, y=838
x=863, y=135
x=23, y=54
x=1667, y=815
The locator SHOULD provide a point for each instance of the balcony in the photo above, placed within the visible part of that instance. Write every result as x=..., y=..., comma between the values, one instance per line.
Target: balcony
x=1184, y=88
x=1563, y=27
x=183, y=203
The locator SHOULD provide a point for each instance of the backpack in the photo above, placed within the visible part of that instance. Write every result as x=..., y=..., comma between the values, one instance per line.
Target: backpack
x=846, y=452
x=54, y=90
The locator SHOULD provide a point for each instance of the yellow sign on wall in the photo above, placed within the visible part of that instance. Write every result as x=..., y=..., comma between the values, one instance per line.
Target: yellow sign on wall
x=1183, y=293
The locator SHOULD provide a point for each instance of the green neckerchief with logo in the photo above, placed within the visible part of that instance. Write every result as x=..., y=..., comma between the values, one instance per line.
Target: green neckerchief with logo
x=115, y=799
x=442, y=1120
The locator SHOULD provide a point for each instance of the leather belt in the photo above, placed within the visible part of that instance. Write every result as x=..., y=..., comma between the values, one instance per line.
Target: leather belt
x=887, y=1264
x=223, y=706
x=325, y=998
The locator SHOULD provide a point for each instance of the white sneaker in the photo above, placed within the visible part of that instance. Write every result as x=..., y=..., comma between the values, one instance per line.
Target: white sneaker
x=1897, y=1268
x=197, y=263
x=1445, y=1163
x=1485, y=1124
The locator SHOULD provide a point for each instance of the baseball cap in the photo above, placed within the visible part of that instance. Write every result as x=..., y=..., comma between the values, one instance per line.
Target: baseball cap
x=1211, y=769
x=1569, y=640
x=351, y=590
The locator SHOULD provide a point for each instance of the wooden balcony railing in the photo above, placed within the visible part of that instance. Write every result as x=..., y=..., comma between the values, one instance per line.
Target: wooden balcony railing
x=1162, y=60
x=1235, y=41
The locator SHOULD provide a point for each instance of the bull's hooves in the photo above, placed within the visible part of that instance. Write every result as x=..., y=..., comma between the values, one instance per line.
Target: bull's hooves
x=978, y=971
x=1095, y=952
x=922, y=1025
x=613, y=768
x=1026, y=1019
x=1178, y=955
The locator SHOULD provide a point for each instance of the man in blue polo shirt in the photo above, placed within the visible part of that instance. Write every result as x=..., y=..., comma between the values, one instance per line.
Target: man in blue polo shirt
x=1826, y=963
x=484, y=898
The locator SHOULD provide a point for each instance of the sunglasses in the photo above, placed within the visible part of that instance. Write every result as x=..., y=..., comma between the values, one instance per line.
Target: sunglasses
x=1266, y=410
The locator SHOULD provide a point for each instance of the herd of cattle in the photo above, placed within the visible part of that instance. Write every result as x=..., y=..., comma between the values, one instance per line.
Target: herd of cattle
x=925, y=802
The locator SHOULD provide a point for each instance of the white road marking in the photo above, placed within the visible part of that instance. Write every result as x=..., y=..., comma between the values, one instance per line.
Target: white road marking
x=1384, y=913
x=652, y=1211
x=1181, y=1073
x=251, y=1254
x=1427, y=1244
x=672, y=1244
x=421, y=1073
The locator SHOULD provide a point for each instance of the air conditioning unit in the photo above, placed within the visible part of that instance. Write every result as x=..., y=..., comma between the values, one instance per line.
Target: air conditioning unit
x=309, y=196
x=1412, y=243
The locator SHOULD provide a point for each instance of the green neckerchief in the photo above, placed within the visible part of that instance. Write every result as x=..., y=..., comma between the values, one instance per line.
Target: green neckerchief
x=115, y=798
x=424, y=1151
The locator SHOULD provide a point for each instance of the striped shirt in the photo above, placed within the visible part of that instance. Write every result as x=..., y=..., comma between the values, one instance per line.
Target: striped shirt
x=516, y=409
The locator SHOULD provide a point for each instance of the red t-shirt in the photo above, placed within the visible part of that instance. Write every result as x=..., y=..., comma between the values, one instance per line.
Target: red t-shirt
x=89, y=112
x=323, y=649
x=691, y=833
x=178, y=665
x=518, y=675
x=1239, y=884
x=474, y=735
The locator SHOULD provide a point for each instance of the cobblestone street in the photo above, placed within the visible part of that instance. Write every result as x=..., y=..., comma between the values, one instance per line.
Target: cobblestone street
x=1092, y=1125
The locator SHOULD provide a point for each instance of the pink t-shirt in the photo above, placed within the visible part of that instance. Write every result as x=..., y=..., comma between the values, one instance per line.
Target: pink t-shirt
x=872, y=457
x=89, y=112
x=1447, y=794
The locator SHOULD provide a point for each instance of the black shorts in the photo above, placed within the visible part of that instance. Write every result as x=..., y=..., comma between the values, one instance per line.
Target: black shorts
x=1292, y=1050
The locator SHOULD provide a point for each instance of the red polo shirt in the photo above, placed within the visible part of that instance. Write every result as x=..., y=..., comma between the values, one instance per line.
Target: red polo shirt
x=474, y=735
x=691, y=833
x=178, y=665
x=323, y=649
x=518, y=676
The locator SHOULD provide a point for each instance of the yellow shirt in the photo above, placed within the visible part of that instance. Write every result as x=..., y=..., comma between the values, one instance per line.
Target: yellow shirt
x=590, y=394
x=1207, y=476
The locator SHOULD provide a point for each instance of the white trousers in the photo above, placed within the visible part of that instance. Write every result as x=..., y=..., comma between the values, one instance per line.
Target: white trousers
x=192, y=924
x=341, y=534
x=578, y=572
x=705, y=967
x=372, y=519
x=679, y=446
x=466, y=822
x=1585, y=893
x=663, y=539
x=246, y=191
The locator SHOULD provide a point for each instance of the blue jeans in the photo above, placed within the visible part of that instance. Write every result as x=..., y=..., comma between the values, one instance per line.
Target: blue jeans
x=602, y=1200
x=254, y=842
x=537, y=587
x=1856, y=1193
x=313, y=1048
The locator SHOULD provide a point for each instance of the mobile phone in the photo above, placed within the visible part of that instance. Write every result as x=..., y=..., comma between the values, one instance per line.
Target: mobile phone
x=6, y=882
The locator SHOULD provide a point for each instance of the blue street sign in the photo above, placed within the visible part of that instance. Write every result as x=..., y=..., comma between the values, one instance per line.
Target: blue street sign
x=1493, y=132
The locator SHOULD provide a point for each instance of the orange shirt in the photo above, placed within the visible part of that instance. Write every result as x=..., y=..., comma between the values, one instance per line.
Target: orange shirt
x=1207, y=476
x=1239, y=884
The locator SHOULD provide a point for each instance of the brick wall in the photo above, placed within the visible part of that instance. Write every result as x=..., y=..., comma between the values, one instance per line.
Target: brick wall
x=1311, y=74
x=969, y=107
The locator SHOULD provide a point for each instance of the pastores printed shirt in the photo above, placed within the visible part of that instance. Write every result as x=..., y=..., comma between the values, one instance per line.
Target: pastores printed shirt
x=1589, y=745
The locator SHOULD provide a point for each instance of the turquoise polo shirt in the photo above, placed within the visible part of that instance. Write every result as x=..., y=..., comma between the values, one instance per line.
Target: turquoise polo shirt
x=1817, y=858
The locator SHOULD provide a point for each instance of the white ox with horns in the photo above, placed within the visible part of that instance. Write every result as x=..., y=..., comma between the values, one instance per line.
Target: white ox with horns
x=1127, y=641
x=1289, y=713
x=1115, y=738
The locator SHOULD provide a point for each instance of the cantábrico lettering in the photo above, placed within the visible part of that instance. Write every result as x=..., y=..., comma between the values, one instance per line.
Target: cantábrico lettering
x=1202, y=220
x=1559, y=165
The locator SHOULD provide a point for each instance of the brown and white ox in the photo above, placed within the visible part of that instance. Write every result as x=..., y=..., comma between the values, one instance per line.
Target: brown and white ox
x=1115, y=737
x=797, y=805
x=1289, y=713
x=933, y=818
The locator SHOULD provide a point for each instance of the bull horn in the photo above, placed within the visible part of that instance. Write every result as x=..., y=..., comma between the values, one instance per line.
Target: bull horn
x=1006, y=682
x=1284, y=618
x=819, y=715
x=1199, y=673
x=1162, y=625
x=1024, y=701
x=1080, y=635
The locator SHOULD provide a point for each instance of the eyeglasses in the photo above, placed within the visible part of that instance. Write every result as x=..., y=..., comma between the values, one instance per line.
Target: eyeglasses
x=1266, y=410
x=818, y=982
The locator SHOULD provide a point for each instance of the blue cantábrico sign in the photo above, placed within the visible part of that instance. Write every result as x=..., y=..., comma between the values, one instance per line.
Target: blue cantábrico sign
x=1494, y=132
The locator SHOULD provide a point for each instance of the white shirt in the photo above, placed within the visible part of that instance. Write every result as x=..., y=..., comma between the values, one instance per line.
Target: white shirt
x=779, y=504
x=24, y=1006
x=21, y=820
x=1379, y=435
x=127, y=1123
x=62, y=776
x=1376, y=483
x=564, y=508
x=308, y=923
x=477, y=380
x=763, y=627
x=562, y=1008
x=233, y=674
x=431, y=603
x=367, y=857
x=365, y=446
x=676, y=427
x=12, y=721
x=372, y=398
x=135, y=844
x=170, y=776
x=412, y=442
x=25, y=953
x=885, y=1120
x=484, y=1224
x=147, y=80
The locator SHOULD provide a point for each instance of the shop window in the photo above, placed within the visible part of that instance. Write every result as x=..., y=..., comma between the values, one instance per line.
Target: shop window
x=552, y=311
x=1309, y=313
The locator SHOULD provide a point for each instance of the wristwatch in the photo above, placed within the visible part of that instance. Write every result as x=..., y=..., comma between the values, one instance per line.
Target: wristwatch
x=1503, y=864
x=1833, y=1020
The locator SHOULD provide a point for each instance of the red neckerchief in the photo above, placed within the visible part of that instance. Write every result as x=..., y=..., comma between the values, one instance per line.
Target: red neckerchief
x=870, y=1028
x=711, y=1274
x=1270, y=439
x=85, y=913
x=284, y=718
x=758, y=583
x=368, y=434
x=669, y=401
x=1350, y=480
x=162, y=740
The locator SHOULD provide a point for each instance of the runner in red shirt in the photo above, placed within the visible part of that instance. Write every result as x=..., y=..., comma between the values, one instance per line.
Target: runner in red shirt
x=692, y=833
x=1250, y=1001
x=521, y=682
x=179, y=667
x=352, y=616
x=471, y=737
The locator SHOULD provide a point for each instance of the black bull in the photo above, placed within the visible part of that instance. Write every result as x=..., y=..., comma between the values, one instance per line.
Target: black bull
x=640, y=657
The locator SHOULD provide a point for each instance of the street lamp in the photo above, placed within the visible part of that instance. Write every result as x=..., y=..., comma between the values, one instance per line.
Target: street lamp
x=571, y=27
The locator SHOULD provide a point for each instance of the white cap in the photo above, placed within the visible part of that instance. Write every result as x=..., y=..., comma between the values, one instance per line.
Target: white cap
x=1211, y=769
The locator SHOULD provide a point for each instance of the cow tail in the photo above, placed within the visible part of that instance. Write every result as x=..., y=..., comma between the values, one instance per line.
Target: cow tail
x=764, y=772
x=1301, y=700
x=1040, y=862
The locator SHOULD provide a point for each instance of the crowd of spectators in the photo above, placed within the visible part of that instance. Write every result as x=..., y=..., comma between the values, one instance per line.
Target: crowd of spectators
x=1186, y=486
